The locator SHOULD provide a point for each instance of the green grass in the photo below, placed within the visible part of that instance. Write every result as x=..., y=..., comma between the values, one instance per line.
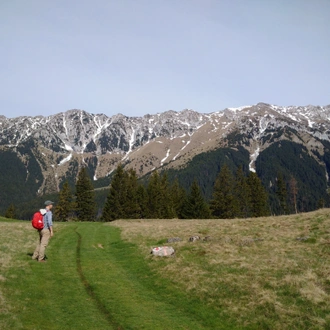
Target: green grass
x=102, y=276
x=92, y=280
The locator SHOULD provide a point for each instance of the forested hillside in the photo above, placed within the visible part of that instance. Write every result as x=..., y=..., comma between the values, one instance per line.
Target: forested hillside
x=293, y=180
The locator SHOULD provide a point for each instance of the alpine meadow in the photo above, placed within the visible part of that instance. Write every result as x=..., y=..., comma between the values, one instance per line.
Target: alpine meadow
x=253, y=273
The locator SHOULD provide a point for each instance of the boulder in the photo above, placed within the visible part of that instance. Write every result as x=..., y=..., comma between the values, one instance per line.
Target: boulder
x=194, y=238
x=162, y=251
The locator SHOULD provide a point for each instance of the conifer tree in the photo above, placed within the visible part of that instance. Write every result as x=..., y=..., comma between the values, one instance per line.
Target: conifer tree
x=166, y=203
x=258, y=196
x=223, y=203
x=154, y=197
x=282, y=194
x=241, y=192
x=10, y=213
x=194, y=206
x=85, y=199
x=131, y=206
x=114, y=206
x=65, y=205
x=178, y=196
x=320, y=203
x=142, y=200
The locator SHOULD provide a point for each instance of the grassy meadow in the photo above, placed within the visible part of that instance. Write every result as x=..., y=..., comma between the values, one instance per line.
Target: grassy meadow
x=265, y=273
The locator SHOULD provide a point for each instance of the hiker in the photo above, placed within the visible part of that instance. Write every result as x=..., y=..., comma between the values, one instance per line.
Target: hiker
x=44, y=234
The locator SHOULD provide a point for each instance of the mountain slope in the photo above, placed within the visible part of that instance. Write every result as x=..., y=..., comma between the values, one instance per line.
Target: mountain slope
x=52, y=149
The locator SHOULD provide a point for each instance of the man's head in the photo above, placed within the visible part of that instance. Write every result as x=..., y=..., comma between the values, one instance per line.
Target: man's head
x=49, y=204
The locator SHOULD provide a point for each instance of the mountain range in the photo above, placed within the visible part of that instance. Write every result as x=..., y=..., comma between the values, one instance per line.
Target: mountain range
x=40, y=153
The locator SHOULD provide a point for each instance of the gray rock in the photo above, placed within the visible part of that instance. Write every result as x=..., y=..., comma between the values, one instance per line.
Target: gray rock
x=174, y=239
x=194, y=238
x=304, y=238
x=163, y=251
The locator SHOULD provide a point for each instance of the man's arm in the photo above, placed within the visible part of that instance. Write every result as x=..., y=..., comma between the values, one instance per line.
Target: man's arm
x=50, y=223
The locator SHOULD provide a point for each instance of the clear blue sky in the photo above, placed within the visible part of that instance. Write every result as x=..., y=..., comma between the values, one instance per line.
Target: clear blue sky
x=146, y=56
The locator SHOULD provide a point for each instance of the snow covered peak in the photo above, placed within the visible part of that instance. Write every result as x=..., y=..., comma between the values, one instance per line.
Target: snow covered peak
x=239, y=108
x=79, y=131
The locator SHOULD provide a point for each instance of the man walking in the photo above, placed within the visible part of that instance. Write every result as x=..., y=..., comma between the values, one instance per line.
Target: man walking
x=44, y=234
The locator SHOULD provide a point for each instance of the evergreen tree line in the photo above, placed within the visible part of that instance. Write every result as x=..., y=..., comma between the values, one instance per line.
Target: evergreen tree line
x=286, y=192
x=233, y=197
x=236, y=196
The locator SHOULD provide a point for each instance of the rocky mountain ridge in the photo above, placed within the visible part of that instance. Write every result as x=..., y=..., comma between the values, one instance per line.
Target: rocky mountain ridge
x=63, y=142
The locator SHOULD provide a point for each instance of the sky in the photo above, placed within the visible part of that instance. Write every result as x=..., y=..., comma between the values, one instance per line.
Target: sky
x=139, y=57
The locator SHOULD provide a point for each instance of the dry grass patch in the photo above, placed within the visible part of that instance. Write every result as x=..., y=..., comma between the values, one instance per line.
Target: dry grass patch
x=15, y=238
x=272, y=272
x=17, y=242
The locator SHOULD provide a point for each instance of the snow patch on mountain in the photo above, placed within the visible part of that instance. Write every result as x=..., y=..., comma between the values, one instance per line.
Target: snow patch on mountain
x=253, y=158
x=167, y=154
x=66, y=159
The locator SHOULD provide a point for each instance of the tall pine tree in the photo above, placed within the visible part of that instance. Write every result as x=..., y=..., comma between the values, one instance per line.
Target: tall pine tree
x=115, y=204
x=178, y=196
x=241, y=193
x=142, y=200
x=223, y=203
x=85, y=199
x=131, y=202
x=194, y=206
x=258, y=196
x=166, y=208
x=154, y=197
x=64, y=206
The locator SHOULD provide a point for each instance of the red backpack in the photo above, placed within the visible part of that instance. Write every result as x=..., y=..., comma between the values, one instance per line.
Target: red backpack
x=38, y=220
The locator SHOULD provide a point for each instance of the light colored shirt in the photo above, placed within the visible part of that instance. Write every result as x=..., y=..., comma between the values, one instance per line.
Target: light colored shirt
x=48, y=220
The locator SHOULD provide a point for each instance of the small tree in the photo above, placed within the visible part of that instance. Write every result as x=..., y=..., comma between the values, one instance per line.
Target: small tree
x=195, y=207
x=85, y=199
x=282, y=194
x=64, y=206
x=10, y=213
x=320, y=203
x=293, y=192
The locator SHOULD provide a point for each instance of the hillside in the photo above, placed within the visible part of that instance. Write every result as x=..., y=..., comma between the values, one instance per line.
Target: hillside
x=266, y=273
